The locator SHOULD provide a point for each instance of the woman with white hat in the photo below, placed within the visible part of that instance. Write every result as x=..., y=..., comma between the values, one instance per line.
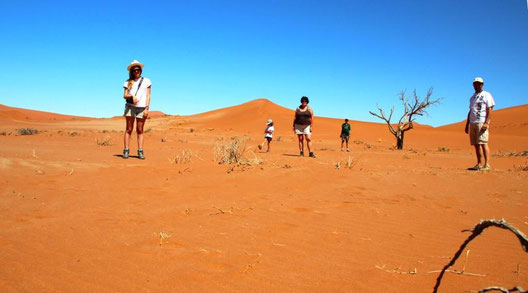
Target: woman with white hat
x=137, y=96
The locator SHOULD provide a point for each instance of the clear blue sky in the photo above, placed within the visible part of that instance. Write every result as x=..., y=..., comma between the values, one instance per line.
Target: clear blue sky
x=70, y=56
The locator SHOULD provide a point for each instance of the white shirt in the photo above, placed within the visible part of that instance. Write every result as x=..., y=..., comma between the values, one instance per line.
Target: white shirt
x=271, y=129
x=141, y=93
x=478, y=103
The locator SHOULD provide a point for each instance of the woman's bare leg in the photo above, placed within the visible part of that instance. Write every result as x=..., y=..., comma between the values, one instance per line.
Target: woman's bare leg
x=139, y=129
x=128, y=131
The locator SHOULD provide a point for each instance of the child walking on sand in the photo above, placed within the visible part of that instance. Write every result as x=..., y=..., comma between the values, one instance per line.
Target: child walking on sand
x=268, y=136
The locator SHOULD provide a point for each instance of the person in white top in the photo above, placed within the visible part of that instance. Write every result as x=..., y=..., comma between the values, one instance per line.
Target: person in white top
x=137, y=96
x=268, y=136
x=477, y=124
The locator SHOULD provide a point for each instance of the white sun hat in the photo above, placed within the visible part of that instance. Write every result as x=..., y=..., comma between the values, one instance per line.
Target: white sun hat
x=135, y=63
x=269, y=121
x=478, y=79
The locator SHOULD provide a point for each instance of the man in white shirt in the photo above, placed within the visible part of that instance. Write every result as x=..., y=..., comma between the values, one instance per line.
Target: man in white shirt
x=477, y=125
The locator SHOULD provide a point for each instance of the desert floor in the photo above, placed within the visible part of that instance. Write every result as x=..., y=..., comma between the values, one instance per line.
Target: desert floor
x=76, y=217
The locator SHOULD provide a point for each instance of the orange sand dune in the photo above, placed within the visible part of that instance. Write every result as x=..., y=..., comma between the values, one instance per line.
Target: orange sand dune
x=76, y=217
x=13, y=113
x=508, y=121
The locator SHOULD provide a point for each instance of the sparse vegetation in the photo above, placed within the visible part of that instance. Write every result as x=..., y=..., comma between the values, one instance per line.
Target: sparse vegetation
x=103, y=141
x=511, y=154
x=191, y=130
x=3, y=133
x=522, y=167
x=27, y=131
x=183, y=158
x=443, y=149
x=163, y=139
x=368, y=145
x=233, y=152
x=349, y=163
x=73, y=133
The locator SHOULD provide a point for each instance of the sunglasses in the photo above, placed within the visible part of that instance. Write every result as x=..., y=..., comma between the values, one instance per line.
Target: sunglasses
x=136, y=69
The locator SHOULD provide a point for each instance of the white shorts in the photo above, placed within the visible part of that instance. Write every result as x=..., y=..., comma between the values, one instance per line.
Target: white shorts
x=302, y=129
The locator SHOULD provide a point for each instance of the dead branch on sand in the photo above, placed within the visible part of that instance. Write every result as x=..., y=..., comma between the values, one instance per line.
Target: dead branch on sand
x=502, y=289
x=483, y=224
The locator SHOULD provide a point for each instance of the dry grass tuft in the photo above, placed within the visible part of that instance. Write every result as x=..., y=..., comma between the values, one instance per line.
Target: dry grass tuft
x=511, y=154
x=368, y=145
x=350, y=163
x=103, y=141
x=27, y=131
x=443, y=149
x=183, y=158
x=523, y=167
x=233, y=152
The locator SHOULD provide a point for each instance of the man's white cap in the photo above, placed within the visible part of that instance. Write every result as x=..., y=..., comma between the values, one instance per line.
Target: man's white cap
x=269, y=121
x=478, y=79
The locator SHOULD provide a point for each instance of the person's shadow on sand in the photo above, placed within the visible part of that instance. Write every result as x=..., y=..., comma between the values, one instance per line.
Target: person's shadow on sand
x=291, y=155
x=131, y=156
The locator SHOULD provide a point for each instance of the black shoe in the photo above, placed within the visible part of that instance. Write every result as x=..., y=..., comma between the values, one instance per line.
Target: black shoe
x=312, y=155
x=302, y=154
x=141, y=155
x=126, y=153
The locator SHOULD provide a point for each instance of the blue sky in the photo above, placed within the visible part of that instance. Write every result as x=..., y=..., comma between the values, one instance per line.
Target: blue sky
x=348, y=56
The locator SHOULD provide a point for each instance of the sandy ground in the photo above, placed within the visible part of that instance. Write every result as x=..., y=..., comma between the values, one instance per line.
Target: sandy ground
x=76, y=217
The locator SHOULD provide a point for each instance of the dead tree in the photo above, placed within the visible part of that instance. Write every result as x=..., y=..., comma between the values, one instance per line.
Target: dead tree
x=413, y=107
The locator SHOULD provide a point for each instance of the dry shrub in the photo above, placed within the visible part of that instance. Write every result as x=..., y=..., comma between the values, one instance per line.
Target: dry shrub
x=183, y=158
x=523, y=167
x=27, y=131
x=233, y=152
x=443, y=149
x=103, y=141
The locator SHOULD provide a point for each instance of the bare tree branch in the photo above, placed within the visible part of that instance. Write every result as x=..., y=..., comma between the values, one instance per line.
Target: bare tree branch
x=483, y=224
x=412, y=107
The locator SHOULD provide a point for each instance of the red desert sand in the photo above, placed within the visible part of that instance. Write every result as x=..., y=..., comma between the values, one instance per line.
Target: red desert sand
x=76, y=217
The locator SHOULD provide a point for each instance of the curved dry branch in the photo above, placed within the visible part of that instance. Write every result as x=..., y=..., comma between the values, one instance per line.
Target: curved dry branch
x=502, y=289
x=483, y=224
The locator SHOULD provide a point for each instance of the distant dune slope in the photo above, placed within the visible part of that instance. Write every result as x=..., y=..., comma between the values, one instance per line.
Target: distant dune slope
x=13, y=113
x=508, y=121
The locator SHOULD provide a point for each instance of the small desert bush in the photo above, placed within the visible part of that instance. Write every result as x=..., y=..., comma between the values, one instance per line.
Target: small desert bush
x=27, y=131
x=103, y=141
x=523, y=167
x=183, y=158
x=3, y=133
x=233, y=152
x=443, y=149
